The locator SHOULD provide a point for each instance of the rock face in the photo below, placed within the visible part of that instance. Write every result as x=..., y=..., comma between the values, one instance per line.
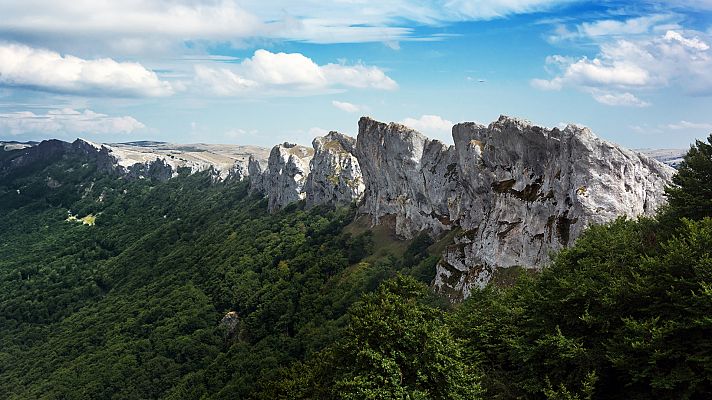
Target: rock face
x=230, y=323
x=515, y=192
x=255, y=170
x=287, y=170
x=524, y=191
x=335, y=176
x=406, y=175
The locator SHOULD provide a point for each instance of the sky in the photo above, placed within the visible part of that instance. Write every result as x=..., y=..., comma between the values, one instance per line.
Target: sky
x=638, y=73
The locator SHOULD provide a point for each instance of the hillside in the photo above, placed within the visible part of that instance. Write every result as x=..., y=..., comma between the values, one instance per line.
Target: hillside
x=127, y=287
x=513, y=191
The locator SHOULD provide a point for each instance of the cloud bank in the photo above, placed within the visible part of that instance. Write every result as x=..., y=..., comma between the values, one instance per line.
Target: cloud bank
x=677, y=59
x=66, y=121
x=46, y=70
x=139, y=26
x=266, y=71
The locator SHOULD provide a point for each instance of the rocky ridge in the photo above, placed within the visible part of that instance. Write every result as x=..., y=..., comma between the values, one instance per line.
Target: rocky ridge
x=335, y=176
x=510, y=192
x=140, y=160
x=513, y=191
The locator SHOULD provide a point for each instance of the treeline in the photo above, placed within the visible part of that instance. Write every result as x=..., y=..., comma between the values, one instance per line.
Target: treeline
x=131, y=307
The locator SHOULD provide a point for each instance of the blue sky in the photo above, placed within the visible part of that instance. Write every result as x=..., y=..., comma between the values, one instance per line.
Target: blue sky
x=263, y=72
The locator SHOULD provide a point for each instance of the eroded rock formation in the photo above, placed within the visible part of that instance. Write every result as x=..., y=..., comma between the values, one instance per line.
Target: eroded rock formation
x=406, y=175
x=525, y=191
x=285, y=176
x=335, y=176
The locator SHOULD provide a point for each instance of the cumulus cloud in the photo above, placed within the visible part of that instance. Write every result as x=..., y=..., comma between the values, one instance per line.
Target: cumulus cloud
x=693, y=43
x=675, y=59
x=221, y=81
x=273, y=71
x=431, y=124
x=345, y=106
x=66, y=121
x=47, y=70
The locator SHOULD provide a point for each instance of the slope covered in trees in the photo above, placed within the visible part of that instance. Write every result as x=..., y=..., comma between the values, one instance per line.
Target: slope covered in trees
x=131, y=307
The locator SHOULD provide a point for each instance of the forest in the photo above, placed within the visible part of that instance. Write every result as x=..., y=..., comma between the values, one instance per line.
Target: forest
x=134, y=305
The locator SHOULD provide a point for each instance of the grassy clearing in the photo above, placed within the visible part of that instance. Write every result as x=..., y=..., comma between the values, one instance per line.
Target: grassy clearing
x=89, y=220
x=385, y=241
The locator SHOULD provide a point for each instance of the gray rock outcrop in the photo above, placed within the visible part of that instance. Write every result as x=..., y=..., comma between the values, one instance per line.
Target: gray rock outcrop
x=514, y=191
x=523, y=191
x=287, y=170
x=406, y=175
x=256, y=170
x=335, y=177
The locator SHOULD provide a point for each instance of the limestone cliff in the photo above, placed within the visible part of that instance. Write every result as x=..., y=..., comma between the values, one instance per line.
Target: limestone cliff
x=335, y=176
x=526, y=191
x=287, y=170
x=513, y=192
x=406, y=175
x=517, y=191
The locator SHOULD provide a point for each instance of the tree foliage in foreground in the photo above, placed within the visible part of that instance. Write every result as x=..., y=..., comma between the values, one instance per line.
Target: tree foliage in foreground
x=396, y=346
x=690, y=196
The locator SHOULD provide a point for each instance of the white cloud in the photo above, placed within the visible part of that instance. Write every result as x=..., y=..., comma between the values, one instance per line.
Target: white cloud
x=345, y=106
x=693, y=43
x=273, y=71
x=137, y=25
x=604, y=29
x=50, y=71
x=431, y=124
x=686, y=125
x=66, y=121
x=618, y=99
x=221, y=81
x=359, y=76
x=675, y=59
x=631, y=26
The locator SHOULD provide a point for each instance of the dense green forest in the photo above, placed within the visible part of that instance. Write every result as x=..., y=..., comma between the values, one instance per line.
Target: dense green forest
x=130, y=307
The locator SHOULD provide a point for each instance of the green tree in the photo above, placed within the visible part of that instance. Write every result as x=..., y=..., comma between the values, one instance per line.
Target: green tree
x=396, y=346
x=690, y=196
